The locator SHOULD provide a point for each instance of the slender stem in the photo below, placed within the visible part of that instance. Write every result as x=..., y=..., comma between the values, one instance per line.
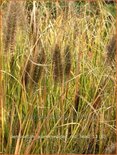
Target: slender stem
x=1, y=91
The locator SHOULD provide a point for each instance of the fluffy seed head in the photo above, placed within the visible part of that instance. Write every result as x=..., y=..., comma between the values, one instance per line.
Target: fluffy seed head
x=38, y=70
x=57, y=65
x=111, y=49
x=67, y=61
x=76, y=104
x=11, y=26
x=27, y=73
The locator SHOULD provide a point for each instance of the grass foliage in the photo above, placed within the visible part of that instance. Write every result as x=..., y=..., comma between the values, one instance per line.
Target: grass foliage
x=59, y=88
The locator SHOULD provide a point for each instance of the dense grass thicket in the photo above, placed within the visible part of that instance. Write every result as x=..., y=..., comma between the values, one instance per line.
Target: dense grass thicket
x=58, y=77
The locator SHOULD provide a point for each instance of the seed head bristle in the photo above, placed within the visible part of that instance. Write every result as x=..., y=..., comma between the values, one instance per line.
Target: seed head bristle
x=11, y=26
x=97, y=101
x=76, y=104
x=38, y=70
x=57, y=65
x=67, y=61
x=27, y=73
x=111, y=49
x=76, y=100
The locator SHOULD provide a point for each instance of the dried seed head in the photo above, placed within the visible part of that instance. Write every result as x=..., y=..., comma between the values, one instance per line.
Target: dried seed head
x=76, y=104
x=97, y=100
x=76, y=101
x=67, y=61
x=38, y=70
x=11, y=25
x=111, y=49
x=34, y=69
x=57, y=65
x=27, y=73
